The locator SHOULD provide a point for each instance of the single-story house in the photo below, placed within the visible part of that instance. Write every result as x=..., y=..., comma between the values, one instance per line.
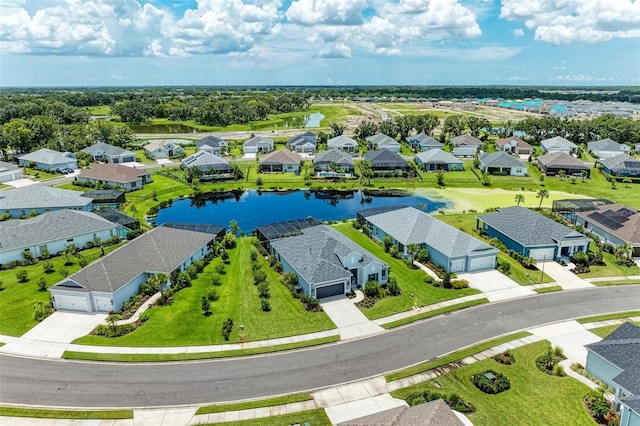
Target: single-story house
x=514, y=145
x=385, y=160
x=217, y=231
x=115, y=175
x=109, y=153
x=106, y=198
x=326, y=262
x=343, y=143
x=52, y=232
x=616, y=361
x=606, y=148
x=258, y=145
x=465, y=145
x=323, y=161
x=615, y=224
x=423, y=142
x=501, y=162
x=9, y=172
x=558, y=144
x=163, y=149
x=48, y=160
x=636, y=147
x=432, y=413
x=452, y=249
x=621, y=165
x=437, y=159
x=552, y=164
x=21, y=202
x=280, y=161
x=112, y=280
x=119, y=218
x=212, y=145
x=306, y=143
x=211, y=166
x=532, y=235
x=380, y=141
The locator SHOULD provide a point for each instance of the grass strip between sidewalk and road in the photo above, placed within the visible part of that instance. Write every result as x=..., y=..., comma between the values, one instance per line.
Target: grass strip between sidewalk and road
x=316, y=417
x=90, y=356
x=434, y=313
x=550, y=289
x=619, y=282
x=454, y=356
x=605, y=317
x=66, y=414
x=287, y=399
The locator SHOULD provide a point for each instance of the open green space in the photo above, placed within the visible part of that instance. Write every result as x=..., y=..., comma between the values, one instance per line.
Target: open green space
x=312, y=417
x=415, y=292
x=66, y=414
x=100, y=110
x=39, y=175
x=287, y=399
x=454, y=356
x=434, y=313
x=17, y=300
x=605, y=317
x=611, y=269
x=183, y=324
x=535, y=398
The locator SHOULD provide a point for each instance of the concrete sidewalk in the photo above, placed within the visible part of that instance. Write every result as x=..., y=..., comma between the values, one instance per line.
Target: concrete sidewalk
x=563, y=276
x=496, y=286
x=351, y=322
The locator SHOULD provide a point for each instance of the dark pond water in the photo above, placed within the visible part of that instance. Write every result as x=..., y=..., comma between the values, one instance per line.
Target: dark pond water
x=254, y=208
x=162, y=128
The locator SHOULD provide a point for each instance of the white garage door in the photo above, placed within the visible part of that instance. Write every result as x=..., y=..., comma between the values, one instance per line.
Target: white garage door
x=541, y=254
x=481, y=263
x=103, y=304
x=71, y=303
x=457, y=265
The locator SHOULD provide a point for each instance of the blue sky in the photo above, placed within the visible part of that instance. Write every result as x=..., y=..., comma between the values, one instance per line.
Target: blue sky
x=319, y=42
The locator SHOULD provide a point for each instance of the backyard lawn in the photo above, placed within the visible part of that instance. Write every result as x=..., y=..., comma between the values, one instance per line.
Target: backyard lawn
x=17, y=299
x=411, y=281
x=183, y=324
x=535, y=398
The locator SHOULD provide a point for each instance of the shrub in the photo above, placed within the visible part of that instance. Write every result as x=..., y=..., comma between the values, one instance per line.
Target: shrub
x=423, y=255
x=42, y=284
x=499, y=382
x=259, y=276
x=192, y=270
x=459, y=284
x=580, y=258
x=253, y=255
x=181, y=281
x=394, y=252
x=64, y=272
x=547, y=363
x=219, y=268
x=22, y=275
x=505, y=358
x=505, y=267
x=227, y=328
x=134, y=233
x=212, y=294
x=372, y=289
x=47, y=267
x=393, y=287
x=446, y=280
x=42, y=310
x=429, y=280
x=263, y=290
x=82, y=261
x=206, y=306
x=454, y=400
x=265, y=304
x=215, y=280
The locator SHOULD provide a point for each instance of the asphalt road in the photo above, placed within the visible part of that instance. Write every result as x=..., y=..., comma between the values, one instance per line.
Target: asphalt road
x=83, y=384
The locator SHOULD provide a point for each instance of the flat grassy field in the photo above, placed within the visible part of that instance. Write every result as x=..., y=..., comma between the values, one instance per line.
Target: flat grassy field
x=17, y=299
x=183, y=324
x=411, y=281
x=535, y=398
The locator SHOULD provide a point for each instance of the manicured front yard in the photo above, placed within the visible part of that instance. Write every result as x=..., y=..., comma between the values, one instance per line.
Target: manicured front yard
x=411, y=281
x=535, y=398
x=612, y=269
x=17, y=299
x=183, y=324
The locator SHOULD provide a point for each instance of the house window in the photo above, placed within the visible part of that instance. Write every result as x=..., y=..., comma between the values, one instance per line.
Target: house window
x=111, y=232
x=372, y=277
x=43, y=248
x=70, y=240
x=384, y=273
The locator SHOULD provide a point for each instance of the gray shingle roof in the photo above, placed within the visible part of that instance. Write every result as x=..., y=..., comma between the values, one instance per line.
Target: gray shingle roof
x=341, y=141
x=411, y=226
x=282, y=156
x=385, y=158
x=500, y=159
x=302, y=140
x=48, y=156
x=560, y=160
x=4, y=166
x=212, y=141
x=519, y=142
x=433, y=413
x=258, y=140
x=438, y=156
x=622, y=162
x=622, y=349
x=632, y=402
x=41, y=197
x=465, y=139
x=113, y=173
x=50, y=226
x=604, y=145
x=162, y=249
x=382, y=140
x=424, y=140
x=333, y=156
x=206, y=160
x=107, y=149
x=314, y=253
x=558, y=142
x=529, y=228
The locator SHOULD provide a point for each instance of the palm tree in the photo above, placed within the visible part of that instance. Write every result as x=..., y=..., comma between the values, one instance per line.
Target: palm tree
x=519, y=198
x=365, y=171
x=584, y=174
x=158, y=280
x=413, y=250
x=542, y=194
x=626, y=182
x=626, y=250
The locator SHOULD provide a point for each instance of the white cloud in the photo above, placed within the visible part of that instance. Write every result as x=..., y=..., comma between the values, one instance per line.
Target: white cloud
x=518, y=32
x=340, y=50
x=561, y=67
x=330, y=12
x=565, y=21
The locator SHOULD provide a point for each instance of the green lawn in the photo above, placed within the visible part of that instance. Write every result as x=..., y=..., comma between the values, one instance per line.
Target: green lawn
x=141, y=157
x=100, y=110
x=521, y=275
x=535, y=398
x=410, y=280
x=607, y=330
x=312, y=418
x=551, y=289
x=17, y=299
x=182, y=323
x=621, y=282
x=612, y=269
x=66, y=414
x=605, y=317
x=221, y=408
x=39, y=175
x=435, y=312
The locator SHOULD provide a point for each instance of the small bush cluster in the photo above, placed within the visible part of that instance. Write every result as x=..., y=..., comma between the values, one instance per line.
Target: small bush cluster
x=548, y=363
x=453, y=400
x=260, y=280
x=505, y=358
x=527, y=262
x=600, y=408
x=227, y=328
x=499, y=383
x=41, y=310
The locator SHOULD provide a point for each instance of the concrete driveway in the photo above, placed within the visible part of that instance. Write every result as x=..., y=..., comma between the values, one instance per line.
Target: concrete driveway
x=563, y=276
x=51, y=337
x=347, y=317
x=495, y=285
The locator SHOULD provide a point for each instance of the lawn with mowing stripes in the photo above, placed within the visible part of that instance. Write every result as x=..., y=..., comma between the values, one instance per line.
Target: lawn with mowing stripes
x=66, y=414
x=312, y=418
x=183, y=324
x=287, y=399
x=535, y=398
x=411, y=281
x=435, y=312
